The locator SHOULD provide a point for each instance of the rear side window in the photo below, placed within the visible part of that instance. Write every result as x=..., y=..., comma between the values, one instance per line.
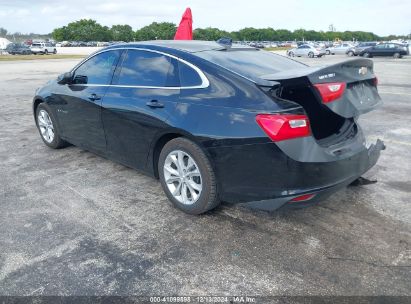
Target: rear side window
x=188, y=76
x=144, y=68
x=250, y=63
x=98, y=69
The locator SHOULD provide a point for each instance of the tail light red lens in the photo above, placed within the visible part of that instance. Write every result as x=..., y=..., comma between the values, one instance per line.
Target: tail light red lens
x=282, y=127
x=302, y=198
x=330, y=91
x=375, y=81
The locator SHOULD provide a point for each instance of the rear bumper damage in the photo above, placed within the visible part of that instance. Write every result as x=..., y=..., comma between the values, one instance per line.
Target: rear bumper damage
x=360, y=165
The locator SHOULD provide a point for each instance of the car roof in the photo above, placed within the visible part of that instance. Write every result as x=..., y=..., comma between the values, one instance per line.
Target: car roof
x=190, y=46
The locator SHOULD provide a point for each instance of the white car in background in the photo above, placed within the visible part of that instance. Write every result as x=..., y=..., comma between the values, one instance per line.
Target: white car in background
x=306, y=50
x=339, y=49
x=43, y=48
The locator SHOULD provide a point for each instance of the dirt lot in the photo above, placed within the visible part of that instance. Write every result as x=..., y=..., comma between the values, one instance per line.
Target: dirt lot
x=72, y=223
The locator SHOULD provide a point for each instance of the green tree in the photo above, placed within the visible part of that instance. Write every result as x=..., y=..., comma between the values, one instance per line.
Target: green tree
x=60, y=34
x=3, y=32
x=83, y=30
x=122, y=33
x=162, y=31
x=210, y=33
x=283, y=35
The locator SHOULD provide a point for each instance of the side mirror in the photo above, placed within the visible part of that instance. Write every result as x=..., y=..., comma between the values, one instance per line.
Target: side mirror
x=65, y=78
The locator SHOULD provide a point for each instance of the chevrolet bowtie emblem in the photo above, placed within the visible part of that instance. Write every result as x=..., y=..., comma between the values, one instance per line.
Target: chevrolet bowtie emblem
x=362, y=70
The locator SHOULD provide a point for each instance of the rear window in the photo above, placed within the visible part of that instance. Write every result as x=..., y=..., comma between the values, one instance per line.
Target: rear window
x=250, y=63
x=188, y=76
x=36, y=44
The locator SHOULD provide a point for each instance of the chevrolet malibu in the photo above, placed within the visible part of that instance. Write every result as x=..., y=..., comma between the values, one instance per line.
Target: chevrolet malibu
x=214, y=122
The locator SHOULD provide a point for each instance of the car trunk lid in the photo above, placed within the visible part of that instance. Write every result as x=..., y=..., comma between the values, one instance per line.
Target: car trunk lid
x=331, y=116
x=360, y=92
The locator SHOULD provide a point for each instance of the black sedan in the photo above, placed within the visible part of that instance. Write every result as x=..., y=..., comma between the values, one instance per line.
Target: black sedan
x=385, y=49
x=215, y=122
x=355, y=51
x=18, y=49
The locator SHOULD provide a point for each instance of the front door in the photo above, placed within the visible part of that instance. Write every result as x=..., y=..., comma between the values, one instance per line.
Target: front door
x=79, y=109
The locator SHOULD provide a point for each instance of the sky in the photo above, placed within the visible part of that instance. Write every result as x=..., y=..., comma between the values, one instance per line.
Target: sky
x=383, y=17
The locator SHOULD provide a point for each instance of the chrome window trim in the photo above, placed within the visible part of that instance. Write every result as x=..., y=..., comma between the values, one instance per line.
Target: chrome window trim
x=205, y=83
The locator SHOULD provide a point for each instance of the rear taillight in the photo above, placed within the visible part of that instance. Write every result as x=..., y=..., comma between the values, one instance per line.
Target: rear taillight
x=375, y=81
x=281, y=127
x=330, y=91
x=302, y=198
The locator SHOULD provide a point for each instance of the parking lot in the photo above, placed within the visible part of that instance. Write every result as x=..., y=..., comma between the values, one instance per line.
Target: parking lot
x=73, y=223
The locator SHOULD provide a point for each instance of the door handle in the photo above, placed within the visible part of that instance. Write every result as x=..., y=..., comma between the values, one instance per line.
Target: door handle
x=94, y=97
x=155, y=104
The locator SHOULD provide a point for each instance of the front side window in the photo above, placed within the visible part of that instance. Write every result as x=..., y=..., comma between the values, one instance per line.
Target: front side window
x=98, y=69
x=149, y=69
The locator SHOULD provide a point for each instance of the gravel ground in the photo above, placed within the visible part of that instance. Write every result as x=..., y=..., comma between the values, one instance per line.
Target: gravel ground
x=73, y=223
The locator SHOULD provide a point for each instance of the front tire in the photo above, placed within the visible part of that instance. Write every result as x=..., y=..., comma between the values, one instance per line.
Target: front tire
x=311, y=54
x=367, y=55
x=350, y=53
x=46, y=52
x=187, y=176
x=47, y=126
x=328, y=52
x=54, y=51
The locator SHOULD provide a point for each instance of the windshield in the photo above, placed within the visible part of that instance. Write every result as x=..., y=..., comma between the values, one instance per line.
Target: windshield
x=36, y=44
x=250, y=63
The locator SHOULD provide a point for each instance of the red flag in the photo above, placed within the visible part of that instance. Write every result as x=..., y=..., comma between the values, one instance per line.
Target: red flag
x=185, y=29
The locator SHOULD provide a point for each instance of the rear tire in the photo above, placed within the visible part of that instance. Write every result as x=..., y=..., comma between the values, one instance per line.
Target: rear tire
x=47, y=125
x=55, y=51
x=396, y=55
x=186, y=171
x=46, y=52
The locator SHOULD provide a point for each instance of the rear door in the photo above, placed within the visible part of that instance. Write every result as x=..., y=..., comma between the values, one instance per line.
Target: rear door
x=391, y=49
x=144, y=93
x=79, y=109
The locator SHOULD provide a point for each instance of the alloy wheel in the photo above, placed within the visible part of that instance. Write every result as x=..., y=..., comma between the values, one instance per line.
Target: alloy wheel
x=46, y=126
x=183, y=177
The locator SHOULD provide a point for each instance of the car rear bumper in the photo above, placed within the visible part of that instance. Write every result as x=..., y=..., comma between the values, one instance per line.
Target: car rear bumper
x=363, y=163
x=261, y=175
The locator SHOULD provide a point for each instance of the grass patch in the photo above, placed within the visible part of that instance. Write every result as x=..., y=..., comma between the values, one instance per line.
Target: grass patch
x=39, y=57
